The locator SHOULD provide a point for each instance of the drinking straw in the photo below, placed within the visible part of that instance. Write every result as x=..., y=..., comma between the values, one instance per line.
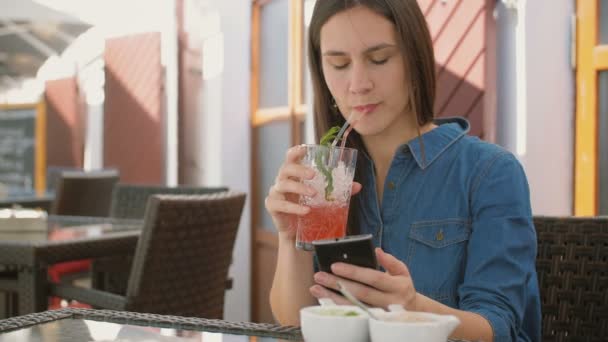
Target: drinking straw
x=350, y=121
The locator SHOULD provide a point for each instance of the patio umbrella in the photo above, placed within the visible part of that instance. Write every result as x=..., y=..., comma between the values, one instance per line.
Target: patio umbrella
x=30, y=33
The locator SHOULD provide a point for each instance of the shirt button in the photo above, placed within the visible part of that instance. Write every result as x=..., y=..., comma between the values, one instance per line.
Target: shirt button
x=391, y=185
x=439, y=235
x=405, y=150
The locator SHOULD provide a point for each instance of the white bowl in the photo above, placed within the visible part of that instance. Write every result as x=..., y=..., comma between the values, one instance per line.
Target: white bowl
x=329, y=322
x=411, y=326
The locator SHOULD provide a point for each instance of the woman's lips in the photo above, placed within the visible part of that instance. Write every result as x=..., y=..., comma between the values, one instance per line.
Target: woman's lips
x=365, y=109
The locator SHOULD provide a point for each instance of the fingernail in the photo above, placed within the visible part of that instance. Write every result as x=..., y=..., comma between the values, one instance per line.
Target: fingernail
x=320, y=277
x=337, y=267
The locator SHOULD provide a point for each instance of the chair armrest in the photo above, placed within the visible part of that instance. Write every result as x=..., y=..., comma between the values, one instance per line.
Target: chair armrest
x=96, y=298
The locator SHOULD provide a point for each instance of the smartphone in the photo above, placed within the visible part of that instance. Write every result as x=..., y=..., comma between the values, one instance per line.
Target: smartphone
x=355, y=249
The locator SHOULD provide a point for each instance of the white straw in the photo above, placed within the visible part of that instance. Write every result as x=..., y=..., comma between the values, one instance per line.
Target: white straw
x=352, y=117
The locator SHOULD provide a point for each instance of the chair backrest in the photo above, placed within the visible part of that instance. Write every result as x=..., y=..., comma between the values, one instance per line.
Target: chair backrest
x=84, y=193
x=572, y=266
x=53, y=175
x=129, y=200
x=182, y=258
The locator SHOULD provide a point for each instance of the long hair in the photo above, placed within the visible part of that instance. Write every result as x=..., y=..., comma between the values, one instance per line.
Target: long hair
x=416, y=46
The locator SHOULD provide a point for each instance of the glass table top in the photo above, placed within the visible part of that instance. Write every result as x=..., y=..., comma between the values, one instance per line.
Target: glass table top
x=88, y=330
x=57, y=228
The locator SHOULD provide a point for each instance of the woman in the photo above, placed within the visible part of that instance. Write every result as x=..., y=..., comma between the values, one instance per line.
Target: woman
x=450, y=214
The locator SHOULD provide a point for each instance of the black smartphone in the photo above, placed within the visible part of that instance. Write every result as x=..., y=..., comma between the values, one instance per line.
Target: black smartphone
x=355, y=249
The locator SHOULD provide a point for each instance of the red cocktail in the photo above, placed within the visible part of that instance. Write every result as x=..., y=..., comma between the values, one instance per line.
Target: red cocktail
x=323, y=223
x=335, y=169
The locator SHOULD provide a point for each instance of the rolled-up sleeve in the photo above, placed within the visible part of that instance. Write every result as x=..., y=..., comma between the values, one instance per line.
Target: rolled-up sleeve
x=502, y=249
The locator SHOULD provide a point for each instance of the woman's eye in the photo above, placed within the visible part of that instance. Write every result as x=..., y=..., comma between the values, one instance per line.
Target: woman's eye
x=340, y=66
x=379, y=61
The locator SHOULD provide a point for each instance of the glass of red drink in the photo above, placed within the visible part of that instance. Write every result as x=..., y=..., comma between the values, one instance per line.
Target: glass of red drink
x=335, y=169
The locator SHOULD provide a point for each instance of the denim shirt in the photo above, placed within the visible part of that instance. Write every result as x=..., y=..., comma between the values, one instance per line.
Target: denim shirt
x=461, y=221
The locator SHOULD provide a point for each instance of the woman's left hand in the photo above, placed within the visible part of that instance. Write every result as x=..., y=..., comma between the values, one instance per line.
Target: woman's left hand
x=376, y=288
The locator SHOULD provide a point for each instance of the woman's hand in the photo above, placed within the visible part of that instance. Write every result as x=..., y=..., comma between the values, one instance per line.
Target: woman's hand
x=283, y=197
x=282, y=200
x=376, y=288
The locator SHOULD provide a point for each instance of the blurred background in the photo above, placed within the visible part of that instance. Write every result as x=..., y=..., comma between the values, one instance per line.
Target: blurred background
x=212, y=92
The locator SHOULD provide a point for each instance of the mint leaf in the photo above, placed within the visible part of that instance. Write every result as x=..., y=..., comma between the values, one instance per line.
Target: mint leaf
x=329, y=185
x=329, y=136
x=326, y=140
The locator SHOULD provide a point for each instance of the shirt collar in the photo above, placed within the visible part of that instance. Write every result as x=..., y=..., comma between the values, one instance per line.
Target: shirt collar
x=438, y=140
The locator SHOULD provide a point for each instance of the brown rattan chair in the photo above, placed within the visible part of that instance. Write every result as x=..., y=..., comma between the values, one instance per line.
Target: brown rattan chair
x=53, y=175
x=81, y=193
x=84, y=193
x=129, y=201
x=181, y=261
x=572, y=266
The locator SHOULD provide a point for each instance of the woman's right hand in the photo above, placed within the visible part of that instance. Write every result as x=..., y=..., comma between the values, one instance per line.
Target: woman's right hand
x=283, y=196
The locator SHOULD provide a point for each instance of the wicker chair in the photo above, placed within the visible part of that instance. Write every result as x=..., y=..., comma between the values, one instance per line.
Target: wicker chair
x=53, y=175
x=181, y=261
x=84, y=193
x=80, y=193
x=572, y=266
x=129, y=200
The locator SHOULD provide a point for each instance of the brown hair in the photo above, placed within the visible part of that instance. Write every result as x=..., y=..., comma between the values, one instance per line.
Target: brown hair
x=416, y=47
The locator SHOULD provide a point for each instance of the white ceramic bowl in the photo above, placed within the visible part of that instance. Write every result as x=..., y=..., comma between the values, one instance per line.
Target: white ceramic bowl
x=334, y=323
x=411, y=326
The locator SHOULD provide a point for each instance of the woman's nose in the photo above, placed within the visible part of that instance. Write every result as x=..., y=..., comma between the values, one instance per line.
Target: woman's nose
x=360, y=81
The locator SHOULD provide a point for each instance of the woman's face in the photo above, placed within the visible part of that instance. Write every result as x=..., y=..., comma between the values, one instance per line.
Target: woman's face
x=364, y=70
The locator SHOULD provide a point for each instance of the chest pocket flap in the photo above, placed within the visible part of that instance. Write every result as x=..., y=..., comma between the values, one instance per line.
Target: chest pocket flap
x=442, y=233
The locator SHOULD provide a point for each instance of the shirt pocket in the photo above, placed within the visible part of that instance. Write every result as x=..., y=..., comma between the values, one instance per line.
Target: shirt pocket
x=436, y=257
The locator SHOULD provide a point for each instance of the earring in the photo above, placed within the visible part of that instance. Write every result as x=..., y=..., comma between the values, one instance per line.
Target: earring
x=335, y=108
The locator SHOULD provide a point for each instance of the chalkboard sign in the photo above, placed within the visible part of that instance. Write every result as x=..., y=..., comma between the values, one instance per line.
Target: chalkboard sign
x=22, y=147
